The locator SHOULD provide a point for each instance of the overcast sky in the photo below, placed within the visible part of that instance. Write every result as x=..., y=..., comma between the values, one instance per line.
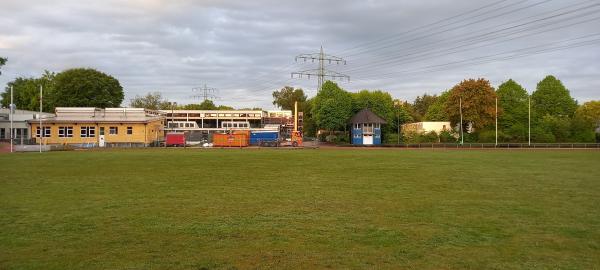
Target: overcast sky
x=246, y=49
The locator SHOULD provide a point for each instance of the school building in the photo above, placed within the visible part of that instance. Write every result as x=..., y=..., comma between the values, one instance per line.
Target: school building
x=93, y=127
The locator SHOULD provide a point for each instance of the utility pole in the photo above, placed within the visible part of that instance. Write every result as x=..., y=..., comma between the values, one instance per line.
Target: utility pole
x=529, y=122
x=205, y=93
x=321, y=73
x=11, y=116
x=496, y=121
x=462, y=140
x=41, y=127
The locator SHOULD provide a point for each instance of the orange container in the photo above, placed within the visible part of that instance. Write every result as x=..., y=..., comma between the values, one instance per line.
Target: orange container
x=230, y=140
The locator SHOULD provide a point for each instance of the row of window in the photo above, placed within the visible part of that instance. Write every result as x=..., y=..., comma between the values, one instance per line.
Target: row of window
x=214, y=115
x=85, y=132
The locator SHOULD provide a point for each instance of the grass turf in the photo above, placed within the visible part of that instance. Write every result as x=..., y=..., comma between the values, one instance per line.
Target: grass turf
x=353, y=209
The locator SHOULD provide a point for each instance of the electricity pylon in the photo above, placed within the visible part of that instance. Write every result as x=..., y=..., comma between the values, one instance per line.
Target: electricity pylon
x=321, y=73
x=205, y=93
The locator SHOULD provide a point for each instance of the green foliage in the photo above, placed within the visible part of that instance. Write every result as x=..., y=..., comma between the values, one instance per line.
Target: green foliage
x=379, y=102
x=224, y=108
x=286, y=97
x=192, y=106
x=478, y=103
x=309, y=125
x=437, y=110
x=207, y=104
x=429, y=137
x=2, y=63
x=447, y=137
x=421, y=105
x=26, y=92
x=332, y=107
x=86, y=87
x=151, y=101
x=513, y=100
x=551, y=97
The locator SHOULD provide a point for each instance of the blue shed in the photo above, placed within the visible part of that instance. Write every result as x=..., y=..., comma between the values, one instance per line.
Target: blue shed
x=366, y=128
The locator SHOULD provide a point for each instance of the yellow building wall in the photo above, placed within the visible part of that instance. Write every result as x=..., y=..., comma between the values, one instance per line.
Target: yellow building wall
x=142, y=133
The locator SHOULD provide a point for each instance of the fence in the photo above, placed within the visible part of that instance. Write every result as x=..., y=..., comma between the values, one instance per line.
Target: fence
x=500, y=145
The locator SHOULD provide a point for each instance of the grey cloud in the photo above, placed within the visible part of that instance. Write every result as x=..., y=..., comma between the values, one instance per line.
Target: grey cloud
x=247, y=48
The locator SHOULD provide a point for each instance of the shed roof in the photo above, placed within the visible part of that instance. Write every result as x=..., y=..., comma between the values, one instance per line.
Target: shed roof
x=367, y=116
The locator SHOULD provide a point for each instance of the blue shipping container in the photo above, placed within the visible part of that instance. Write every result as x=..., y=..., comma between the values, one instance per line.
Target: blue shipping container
x=257, y=137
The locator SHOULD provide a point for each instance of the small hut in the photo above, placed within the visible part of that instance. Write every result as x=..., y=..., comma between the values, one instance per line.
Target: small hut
x=366, y=128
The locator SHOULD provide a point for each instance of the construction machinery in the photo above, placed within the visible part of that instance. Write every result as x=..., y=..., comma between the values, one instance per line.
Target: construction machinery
x=296, y=137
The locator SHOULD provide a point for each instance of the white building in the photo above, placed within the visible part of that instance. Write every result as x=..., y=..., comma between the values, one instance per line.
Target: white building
x=21, y=128
x=426, y=127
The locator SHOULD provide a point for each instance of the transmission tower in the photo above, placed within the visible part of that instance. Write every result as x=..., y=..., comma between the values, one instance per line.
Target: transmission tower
x=321, y=73
x=205, y=93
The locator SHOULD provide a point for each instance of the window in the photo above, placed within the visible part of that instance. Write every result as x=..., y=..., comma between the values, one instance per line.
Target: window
x=46, y=132
x=101, y=130
x=2, y=134
x=113, y=130
x=88, y=132
x=65, y=132
x=129, y=130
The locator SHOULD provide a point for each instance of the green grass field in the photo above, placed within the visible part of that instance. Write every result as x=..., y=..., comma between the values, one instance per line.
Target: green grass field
x=300, y=209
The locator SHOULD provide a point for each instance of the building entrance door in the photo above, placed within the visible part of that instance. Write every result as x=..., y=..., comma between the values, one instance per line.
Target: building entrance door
x=368, y=139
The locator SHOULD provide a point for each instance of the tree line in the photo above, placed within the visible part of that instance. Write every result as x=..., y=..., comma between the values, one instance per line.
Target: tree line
x=555, y=115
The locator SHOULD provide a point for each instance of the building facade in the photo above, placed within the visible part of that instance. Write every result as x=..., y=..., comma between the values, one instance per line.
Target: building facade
x=21, y=129
x=366, y=128
x=426, y=127
x=199, y=125
x=90, y=127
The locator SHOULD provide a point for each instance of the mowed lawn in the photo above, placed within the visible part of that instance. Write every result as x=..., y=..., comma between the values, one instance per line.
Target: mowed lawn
x=300, y=209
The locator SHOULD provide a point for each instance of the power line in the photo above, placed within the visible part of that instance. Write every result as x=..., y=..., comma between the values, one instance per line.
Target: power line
x=205, y=93
x=321, y=73
x=420, y=55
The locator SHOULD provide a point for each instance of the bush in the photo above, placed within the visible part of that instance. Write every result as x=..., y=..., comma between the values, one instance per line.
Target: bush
x=447, y=137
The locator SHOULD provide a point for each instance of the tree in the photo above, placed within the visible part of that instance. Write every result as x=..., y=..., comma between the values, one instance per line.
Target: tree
x=437, y=110
x=26, y=92
x=151, y=101
x=224, y=108
x=590, y=111
x=552, y=98
x=207, y=104
x=379, y=102
x=2, y=63
x=421, y=105
x=513, y=100
x=85, y=87
x=332, y=107
x=586, y=122
x=478, y=103
x=286, y=97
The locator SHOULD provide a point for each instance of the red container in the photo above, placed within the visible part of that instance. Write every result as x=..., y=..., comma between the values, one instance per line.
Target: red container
x=230, y=140
x=175, y=139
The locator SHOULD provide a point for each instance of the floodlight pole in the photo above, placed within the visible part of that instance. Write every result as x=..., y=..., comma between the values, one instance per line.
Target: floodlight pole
x=496, y=121
x=11, y=116
x=529, y=122
x=41, y=127
x=462, y=137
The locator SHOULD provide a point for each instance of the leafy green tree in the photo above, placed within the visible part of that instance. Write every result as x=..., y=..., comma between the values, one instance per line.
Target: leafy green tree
x=437, y=110
x=2, y=63
x=422, y=103
x=478, y=103
x=586, y=122
x=286, y=97
x=26, y=92
x=224, y=108
x=192, y=106
x=379, y=102
x=151, y=101
x=551, y=97
x=513, y=100
x=207, y=104
x=309, y=126
x=332, y=107
x=86, y=87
